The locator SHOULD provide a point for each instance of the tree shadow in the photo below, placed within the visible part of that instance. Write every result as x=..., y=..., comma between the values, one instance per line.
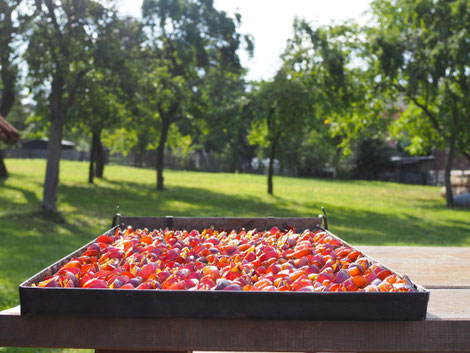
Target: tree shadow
x=355, y=226
x=137, y=199
x=29, y=195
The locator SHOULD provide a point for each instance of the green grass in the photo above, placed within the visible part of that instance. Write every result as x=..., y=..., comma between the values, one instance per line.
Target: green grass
x=361, y=212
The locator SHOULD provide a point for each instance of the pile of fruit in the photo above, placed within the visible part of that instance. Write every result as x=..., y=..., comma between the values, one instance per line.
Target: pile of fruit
x=272, y=260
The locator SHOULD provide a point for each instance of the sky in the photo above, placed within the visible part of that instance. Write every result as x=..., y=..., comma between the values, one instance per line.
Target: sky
x=270, y=24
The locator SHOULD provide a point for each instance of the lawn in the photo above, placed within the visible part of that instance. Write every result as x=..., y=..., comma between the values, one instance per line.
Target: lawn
x=361, y=212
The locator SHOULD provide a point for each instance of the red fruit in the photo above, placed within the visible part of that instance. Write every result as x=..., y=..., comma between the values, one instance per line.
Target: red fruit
x=96, y=283
x=163, y=275
x=146, y=285
x=230, y=250
x=269, y=255
x=274, y=269
x=304, y=252
x=250, y=257
x=301, y=262
x=349, y=285
x=341, y=276
x=360, y=281
x=85, y=278
x=190, y=283
x=312, y=269
x=136, y=281
x=211, y=271
x=147, y=270
x=105, y=239
x=383, y=274
x=325, y=276
x=127, y=286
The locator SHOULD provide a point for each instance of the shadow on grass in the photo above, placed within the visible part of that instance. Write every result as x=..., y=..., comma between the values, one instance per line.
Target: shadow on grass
x=31, y=243
x=355, y=226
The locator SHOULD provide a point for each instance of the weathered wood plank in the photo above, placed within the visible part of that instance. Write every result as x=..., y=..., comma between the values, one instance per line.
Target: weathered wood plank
x=430, y=267
x=240, y=335
x=446, y=329
x=449, y=304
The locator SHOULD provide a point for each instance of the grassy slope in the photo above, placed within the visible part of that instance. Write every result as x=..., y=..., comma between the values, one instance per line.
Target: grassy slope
x=361, y=212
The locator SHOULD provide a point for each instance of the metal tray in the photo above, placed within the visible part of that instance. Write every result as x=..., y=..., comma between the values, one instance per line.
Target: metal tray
x=219, y=304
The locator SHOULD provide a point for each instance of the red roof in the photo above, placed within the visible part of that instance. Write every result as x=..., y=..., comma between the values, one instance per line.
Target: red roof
x=8, y=133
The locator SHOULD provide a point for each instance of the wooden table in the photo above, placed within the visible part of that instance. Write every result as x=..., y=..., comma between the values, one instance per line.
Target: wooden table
x=445, y=271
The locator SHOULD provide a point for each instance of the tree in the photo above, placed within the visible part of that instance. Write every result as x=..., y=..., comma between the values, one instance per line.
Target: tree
x=282, y=106
x=14, y=18
x=60, y=54
x=421, y=52
x=223, y=128
x=325, y=60
x=188, y=39
x=104, y=103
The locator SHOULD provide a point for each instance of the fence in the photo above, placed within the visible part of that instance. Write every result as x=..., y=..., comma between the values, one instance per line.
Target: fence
x=71, y=155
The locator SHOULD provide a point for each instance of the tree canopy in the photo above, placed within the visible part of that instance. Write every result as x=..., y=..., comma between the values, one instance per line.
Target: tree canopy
x=421, y=51
x=188, y=40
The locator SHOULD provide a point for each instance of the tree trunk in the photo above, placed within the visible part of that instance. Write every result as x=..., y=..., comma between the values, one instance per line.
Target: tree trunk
x=3, y=168
x=272, y=154
x=337, y=158
x=51, y=182
x=91, y=169
x=54, y=150
x=8, y=75
x=448, y=169
x=161, y=152
x=100, y=158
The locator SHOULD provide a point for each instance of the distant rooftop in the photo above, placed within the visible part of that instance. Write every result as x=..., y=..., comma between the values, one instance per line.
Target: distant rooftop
x=412, y=160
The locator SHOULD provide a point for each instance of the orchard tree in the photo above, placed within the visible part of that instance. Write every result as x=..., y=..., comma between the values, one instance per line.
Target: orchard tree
x=15, y=16
x=421, y=51
x=223, y=129
x=110, y=86
x=189, y=39
x=97, y=108
x=60, y=54
x=323, y=59
x=281, y=107
x=347, y=101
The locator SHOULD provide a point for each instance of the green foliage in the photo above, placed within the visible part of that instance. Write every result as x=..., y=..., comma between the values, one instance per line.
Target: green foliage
x=372, y=157
x=422, y=51
x=308, y=153
x=104, y=101
x=62, y=41
x=15, y=18
x=191, y=48
x=281, y=106
x=344, y=99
